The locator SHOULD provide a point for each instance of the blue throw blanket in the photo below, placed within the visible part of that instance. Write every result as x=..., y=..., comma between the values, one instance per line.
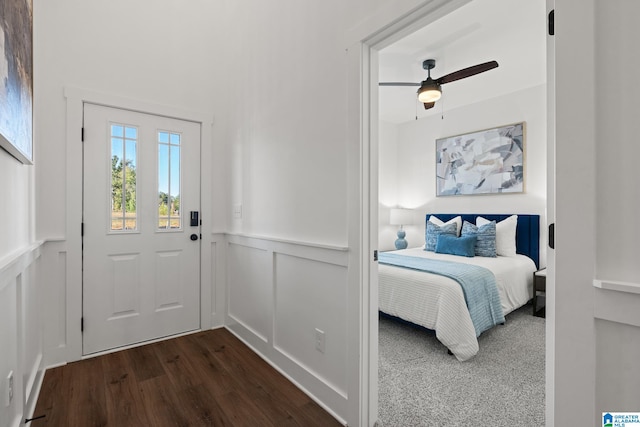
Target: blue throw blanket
x=478, y=285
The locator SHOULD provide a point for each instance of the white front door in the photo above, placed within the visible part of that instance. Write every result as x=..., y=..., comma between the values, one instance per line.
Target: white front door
x=141, y=249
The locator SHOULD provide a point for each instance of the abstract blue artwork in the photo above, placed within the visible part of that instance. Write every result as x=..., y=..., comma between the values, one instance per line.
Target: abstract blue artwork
x=16, y=78
x=483, y=162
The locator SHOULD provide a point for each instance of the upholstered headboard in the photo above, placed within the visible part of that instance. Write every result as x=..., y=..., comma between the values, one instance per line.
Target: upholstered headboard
x=527, y=231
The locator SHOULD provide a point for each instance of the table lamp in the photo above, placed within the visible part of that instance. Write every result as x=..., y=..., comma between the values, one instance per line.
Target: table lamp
x=399, y=216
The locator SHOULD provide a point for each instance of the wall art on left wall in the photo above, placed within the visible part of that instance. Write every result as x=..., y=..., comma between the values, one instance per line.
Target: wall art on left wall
x=16, y=78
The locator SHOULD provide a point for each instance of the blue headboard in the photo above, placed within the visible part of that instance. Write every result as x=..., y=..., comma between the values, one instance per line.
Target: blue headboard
x=527, y=231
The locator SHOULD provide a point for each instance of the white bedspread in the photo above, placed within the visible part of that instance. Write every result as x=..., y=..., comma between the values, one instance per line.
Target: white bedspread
x=437, y=302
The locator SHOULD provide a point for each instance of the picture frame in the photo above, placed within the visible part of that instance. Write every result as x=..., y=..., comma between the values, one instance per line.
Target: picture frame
x=16, y=79
x=490, y=161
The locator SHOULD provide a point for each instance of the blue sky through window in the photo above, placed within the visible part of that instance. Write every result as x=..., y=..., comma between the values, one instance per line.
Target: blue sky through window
x=169, y=163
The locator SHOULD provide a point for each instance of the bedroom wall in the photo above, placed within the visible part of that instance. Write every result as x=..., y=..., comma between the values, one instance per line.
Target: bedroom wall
x=414, y=171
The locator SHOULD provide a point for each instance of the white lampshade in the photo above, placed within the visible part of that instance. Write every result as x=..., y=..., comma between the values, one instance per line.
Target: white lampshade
x=399, y=216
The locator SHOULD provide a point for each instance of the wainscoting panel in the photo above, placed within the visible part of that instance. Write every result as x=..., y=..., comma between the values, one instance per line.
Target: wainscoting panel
x=282, y=297
x=617, y=321
x=21, y=338
x=310, y=296
x=217, y=279
x=54, y=296
x=250, y=294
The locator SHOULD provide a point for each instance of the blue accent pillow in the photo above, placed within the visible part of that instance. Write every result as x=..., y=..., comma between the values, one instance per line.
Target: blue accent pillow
x=486, y=237
x=433, y=231
x=463, y=246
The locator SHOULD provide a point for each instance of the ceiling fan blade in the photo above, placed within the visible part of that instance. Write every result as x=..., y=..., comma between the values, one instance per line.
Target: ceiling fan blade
x=467, y=72
x=428, y=105
x=398, y=84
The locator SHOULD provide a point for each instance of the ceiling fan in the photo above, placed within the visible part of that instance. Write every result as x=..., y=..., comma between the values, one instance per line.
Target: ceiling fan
x=430, y=91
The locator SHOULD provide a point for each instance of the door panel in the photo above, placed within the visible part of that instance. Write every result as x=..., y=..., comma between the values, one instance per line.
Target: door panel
x=140, y=267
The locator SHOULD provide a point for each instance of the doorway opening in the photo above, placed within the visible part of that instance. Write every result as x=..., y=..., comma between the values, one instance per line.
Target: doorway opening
x=410, y=181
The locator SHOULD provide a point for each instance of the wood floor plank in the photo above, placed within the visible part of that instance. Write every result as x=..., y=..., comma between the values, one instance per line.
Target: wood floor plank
x=179, y=368
x=208, y=378
x=124, y=403
x=208, y=368
x=54, y=409
x=87, y=392
x=144, y=362
x=245, y=363
x=205, y=408
x=277, y=397
x=241, y=411
x=160, y=402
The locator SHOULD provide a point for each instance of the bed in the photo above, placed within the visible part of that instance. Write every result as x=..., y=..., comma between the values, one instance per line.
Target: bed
x=439, y=302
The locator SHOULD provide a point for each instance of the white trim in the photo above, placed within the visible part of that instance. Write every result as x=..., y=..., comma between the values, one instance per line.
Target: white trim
x=75, y=99
x=290, y=242
x=16, y=262
x=618, y=286
x=386, y=25
x=33, y=389
x=140, y=344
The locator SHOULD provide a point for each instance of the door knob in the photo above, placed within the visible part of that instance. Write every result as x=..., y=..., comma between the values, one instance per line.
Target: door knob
x=194, y=237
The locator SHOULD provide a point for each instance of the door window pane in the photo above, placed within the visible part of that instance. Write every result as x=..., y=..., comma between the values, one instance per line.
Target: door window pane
x=169, y=213
x=123, y=178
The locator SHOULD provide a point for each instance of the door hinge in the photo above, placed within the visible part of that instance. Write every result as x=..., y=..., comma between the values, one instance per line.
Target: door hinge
x=375, y=255
x=82, y=229
x=82, y=134
x=552, y=235
x=551, y=23
x=82, y=324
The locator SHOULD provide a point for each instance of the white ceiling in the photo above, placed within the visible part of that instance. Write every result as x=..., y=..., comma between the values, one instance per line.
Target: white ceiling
x=511, y=32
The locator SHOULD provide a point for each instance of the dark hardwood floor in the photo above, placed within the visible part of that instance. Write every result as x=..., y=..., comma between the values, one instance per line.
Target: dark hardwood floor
x=205, y=379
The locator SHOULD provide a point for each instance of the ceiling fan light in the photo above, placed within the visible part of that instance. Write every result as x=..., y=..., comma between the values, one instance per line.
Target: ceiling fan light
x=429, y=93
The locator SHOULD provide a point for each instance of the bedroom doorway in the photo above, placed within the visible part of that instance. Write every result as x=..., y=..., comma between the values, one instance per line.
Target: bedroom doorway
x=407, y=166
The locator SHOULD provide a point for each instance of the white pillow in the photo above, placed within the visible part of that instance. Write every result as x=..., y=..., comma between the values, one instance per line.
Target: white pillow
x=457, y=221
x=505, y=234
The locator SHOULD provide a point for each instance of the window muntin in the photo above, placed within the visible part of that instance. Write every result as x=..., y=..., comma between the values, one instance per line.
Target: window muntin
x=123, y=194
x=169, y=213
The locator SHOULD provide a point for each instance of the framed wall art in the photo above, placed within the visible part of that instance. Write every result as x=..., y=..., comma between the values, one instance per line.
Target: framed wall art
x=16, y=79
x=484, y=162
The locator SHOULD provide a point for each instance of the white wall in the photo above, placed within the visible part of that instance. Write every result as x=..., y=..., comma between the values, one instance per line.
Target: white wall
x=617, y=204
x=288, y=143
x=596, y=329
x=16, y=191
x=21, y=341
x=414, y=170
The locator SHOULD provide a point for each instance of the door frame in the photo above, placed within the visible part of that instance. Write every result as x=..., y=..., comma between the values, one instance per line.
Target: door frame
x=75, y=100
x=384, y=26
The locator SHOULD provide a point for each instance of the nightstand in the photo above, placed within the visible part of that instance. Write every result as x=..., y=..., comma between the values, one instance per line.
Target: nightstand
x=539, y=285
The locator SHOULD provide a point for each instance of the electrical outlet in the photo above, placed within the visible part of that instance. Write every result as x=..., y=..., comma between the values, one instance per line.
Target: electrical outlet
x=319, y=340
x=9, y=390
